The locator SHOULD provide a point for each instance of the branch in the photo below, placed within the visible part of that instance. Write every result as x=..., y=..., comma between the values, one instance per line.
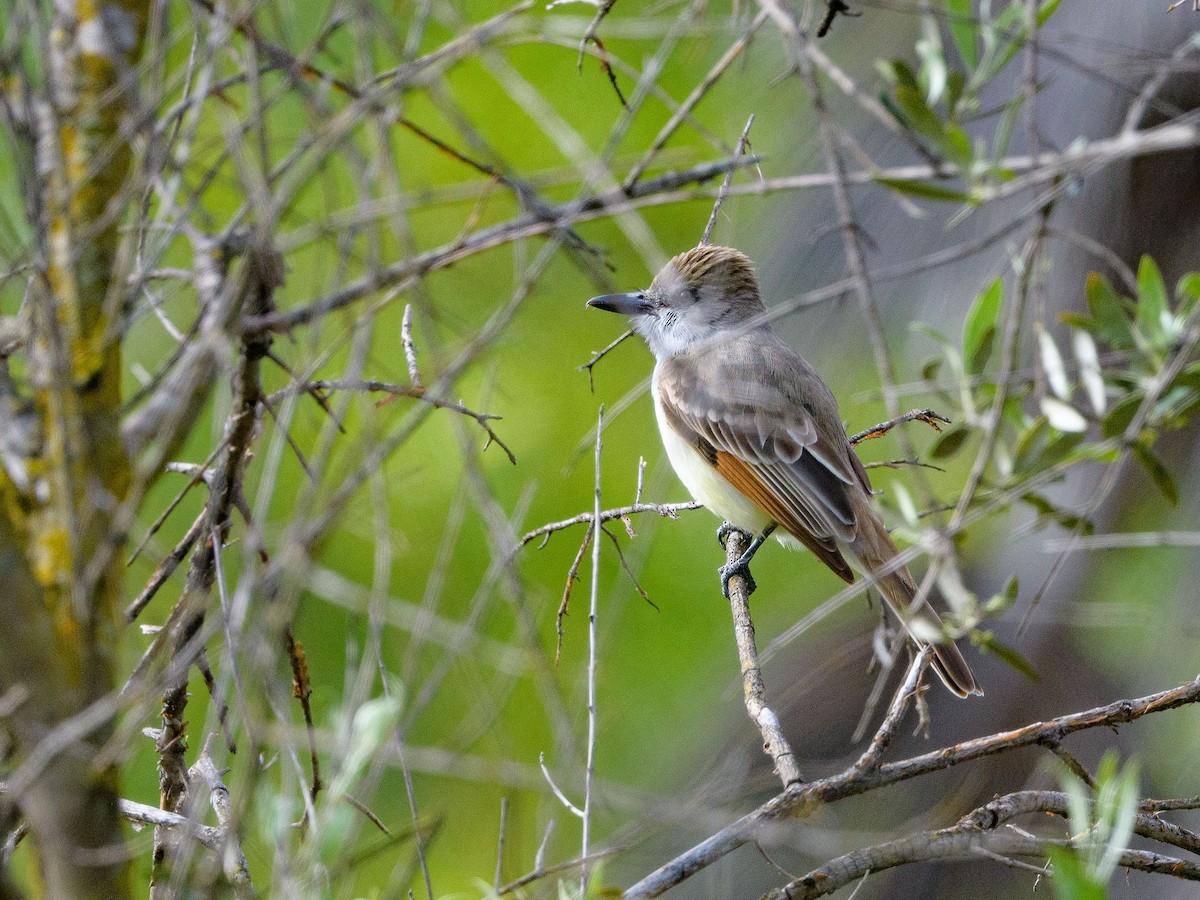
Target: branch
x=414, y=391
x=806, y=798
x=237, y=870
x=928, y=416
x=775, y=745
x=974, y=833
x=667, y=510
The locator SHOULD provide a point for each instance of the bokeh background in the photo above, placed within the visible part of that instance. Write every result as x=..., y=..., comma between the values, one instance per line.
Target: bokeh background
x=422, y=577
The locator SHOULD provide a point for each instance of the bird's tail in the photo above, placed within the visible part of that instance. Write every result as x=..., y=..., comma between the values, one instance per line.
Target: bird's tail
x=875, y=551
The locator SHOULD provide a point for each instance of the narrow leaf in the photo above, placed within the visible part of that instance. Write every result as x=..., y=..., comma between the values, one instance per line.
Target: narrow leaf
x=981, y=326
x=1052, y=362
x=1158, y=472
x=1112, y=324
x=1119, y=417
x=1063, y=416
x=1012, y=657
x=925, y=190
x=1154, y=315
x=962, y=30
x=1089, y=369
x=949, y=443
x=1188, y=292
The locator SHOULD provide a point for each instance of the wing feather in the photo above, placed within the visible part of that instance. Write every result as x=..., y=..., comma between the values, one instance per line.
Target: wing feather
x=764, y=419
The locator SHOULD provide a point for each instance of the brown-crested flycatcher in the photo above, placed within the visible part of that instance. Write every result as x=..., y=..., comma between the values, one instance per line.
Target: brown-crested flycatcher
x=754, y=433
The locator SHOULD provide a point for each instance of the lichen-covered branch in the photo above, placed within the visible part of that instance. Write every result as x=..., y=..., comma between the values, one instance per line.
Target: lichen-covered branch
x=79, y=473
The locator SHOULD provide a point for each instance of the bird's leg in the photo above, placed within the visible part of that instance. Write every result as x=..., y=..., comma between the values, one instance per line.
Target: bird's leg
x=742, y=565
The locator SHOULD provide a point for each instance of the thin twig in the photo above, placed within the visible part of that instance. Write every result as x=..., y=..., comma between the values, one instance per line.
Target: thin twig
x=666, y=510
x=775, y=745
x=895, y=714
x=500, y=843
x=400, y=390
x=724, y=192
x=590, y=365
x=593, y=611
x=237, y=870
x=410, y=349
x=928, y=416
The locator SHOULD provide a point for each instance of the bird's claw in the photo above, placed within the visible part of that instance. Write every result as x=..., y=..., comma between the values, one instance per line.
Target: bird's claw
x=740, y=567
x=723, y=533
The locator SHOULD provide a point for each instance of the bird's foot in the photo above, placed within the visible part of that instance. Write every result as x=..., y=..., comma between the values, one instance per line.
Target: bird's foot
x=741, y=567
x=723, y=533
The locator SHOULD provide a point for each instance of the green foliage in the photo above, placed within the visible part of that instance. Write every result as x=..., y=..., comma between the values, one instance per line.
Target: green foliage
x=1085, y=409
x=1127, y=361
x=1101, y=826
x=942, y=96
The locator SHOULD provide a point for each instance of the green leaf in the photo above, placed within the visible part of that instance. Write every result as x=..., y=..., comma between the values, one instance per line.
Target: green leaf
x=1030, y=444
x=986, y=641
x=956, y=83
x=1004, y=600
x=980, y=327
x=1062, y=518
x=1158, y=472
x=1071, y=881
x=925, y=190
x=1078, y=321
x=1188, y=292
x=949, y=442
x=1154, y=315
x=1009, y=18
x=1112, y=324
x=962, y=30
x=1046, y=10
x=1119, y=417
x=956, y=146
x=920, y=116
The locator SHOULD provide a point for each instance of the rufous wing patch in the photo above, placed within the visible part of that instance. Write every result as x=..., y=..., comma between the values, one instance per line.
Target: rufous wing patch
x=743, y=477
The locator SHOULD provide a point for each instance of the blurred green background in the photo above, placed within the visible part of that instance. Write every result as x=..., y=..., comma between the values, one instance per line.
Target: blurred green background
x=470, y=641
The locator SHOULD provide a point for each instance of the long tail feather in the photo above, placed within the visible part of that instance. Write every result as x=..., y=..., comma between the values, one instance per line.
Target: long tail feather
x=872, y=551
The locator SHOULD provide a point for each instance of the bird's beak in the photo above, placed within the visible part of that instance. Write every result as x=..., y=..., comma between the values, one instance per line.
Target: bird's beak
x=634, y=304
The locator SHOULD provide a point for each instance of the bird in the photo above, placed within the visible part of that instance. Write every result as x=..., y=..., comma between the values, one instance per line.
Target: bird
x=754, y=434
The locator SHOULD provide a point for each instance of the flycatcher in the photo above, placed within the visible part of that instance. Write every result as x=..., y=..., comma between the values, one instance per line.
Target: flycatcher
x=755, y=435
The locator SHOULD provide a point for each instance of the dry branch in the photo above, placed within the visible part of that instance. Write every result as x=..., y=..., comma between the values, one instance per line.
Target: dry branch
x=803, y=799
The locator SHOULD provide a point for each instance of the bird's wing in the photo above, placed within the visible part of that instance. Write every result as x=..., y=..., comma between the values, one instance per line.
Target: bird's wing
x=764, y=420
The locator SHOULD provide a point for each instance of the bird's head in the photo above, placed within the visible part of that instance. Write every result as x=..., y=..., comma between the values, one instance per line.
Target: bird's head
x=697, y=295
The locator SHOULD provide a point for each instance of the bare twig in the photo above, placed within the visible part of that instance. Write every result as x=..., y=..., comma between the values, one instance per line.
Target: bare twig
x=928, y=416
x=775, y=745
x=891, y=722
x=979, y=830
x=410, y=349
x=590, y=365
x=593, y=610
x=415, y=392
x=666, y=510
x=233, y=860
x=724, y=192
